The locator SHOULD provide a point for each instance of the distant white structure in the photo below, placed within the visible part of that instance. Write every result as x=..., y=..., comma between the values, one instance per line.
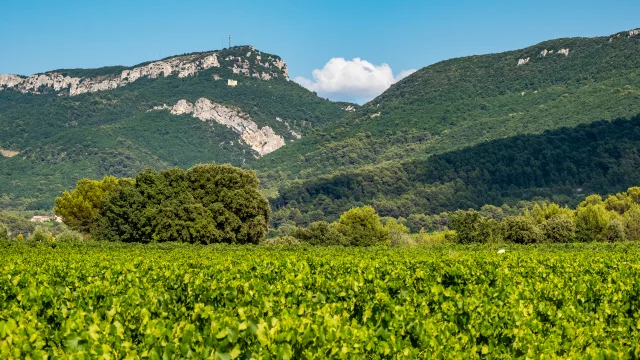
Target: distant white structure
x=57, y=219
x=232, y=82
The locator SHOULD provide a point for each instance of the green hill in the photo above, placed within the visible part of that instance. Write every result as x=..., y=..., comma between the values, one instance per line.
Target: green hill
x=466, y=101
x=453, y=109
x=60, y=126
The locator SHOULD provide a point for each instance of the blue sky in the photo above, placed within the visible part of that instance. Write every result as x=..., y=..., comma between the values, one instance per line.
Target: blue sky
x=37, y=36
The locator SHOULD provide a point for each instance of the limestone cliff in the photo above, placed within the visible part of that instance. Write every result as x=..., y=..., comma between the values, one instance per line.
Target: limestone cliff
x=254, y=63
x=262, y=140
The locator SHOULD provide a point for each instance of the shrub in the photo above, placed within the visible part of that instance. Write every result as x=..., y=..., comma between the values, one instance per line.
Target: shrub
x=40, y=234
x=69, y=236
x=541, y=213
x=471, y=227
x=4, y=232
x=615, y=230
x=559, y=229
x=320, y=233
x=619, y=203
x=281, y=240
x=362, y=227
x=631, y=220
x=398, y=233
x=521, y=230
x=434, y=238
x=591, y=222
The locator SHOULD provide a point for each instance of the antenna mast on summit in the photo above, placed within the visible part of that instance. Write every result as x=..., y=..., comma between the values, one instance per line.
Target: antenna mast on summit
x=229, y=40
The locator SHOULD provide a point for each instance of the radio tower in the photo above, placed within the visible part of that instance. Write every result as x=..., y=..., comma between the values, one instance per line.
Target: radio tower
x=229, y=40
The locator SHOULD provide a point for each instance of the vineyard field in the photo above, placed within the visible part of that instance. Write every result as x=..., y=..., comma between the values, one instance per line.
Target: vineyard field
x=117, y=301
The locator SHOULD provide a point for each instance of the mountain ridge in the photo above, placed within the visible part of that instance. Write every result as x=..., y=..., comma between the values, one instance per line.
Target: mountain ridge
x=55, y=134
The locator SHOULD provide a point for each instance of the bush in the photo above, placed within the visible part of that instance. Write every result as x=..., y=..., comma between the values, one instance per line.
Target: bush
x=631, y=221
x=398, y=233
x=471, y=227
x=4, y=232
x=362, y=227
x=615, y=230
x=559, y=229
x=320, y=233
x=281, y=240
x=434, y=238
x=521, y=230
x=40, y=234
x=69, y=236
x=205, y=204
x=591, y=222
x=541, y=213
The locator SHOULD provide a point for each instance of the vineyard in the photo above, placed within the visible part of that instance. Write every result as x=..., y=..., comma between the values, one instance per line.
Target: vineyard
x=119, y=301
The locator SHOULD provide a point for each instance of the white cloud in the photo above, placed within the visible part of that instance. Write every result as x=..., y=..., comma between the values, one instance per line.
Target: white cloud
x=352, y=80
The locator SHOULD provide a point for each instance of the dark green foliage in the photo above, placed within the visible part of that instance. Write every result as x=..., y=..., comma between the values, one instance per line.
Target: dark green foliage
x=206, y=204
x=471, y=227
x=320, y=233
x=560, y=165
x=521, y=230
x=558, y=229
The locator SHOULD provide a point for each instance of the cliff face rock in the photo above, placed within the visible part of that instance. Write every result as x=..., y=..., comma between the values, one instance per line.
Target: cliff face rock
x=182, y=107
x=261, y=140
x=265, y=67
x=8, y=80
x=8, y=153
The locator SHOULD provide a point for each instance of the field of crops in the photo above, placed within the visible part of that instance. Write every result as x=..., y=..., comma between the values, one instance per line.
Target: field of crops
x=176, y=301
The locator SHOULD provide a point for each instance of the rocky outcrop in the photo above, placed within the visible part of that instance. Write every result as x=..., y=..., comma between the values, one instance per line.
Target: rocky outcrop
x=8, y=153
x=8, y=80
x=565, y=52
x=634, y=32
x=180, y=66
x=261, y=140
x=523, y=61
x=349, y=108
x=182, y=107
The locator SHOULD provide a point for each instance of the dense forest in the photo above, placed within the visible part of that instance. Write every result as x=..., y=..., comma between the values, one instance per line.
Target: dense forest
x=561, y=165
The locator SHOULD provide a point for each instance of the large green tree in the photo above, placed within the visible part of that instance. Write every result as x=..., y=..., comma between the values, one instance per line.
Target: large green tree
x=362, y=227
x=205, y=204
x=79, y=207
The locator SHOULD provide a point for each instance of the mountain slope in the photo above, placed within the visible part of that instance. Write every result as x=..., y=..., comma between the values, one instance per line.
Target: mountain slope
x=230, y=106
x=462, y=102
x=455, y=107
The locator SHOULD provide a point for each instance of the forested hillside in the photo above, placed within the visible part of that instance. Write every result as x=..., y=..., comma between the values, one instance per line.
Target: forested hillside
x=58, y=127
x=561, y=165
x=467, y=101
x=476, y=130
